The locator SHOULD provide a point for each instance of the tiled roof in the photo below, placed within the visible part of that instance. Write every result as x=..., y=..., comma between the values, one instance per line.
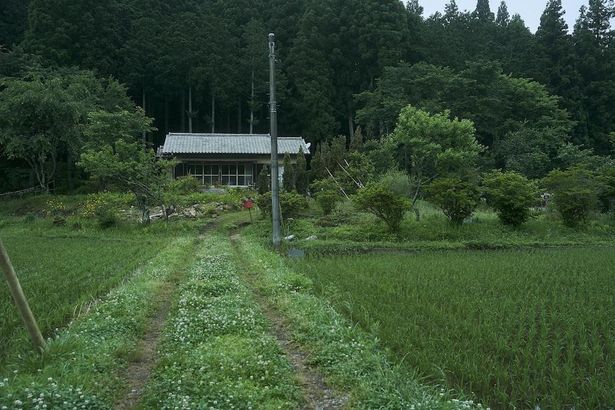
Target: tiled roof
x=259, y=144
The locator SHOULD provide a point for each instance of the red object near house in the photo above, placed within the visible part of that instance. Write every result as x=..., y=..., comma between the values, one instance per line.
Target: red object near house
x=248, y=203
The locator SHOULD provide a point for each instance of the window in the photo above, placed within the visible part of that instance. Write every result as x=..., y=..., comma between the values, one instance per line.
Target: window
x=232, y=174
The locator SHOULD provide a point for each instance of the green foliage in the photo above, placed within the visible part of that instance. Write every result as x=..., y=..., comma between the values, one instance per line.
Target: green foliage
x=381, y=155
x=184, y=186
x=263, y=181
x=263, y=201
x=497, y=104
x=328, y=158
x=291, y=203
x=354, y=172
x=398, y=182
x=49, y=114
x=380, y=201
x=327, y=195
x=433, y=297
x=106, y=217
x=288, y=178
x=511, y=195
x=357, y=71
x=457, y=198
x=301, y=174
x=132, y=169
x=575, y=193
x=434, y=146
x=607, y=196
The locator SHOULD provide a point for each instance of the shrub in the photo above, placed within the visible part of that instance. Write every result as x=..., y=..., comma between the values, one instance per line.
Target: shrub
x=511, y=195
x=301, y=175
x=93, y=203
x=288, y=176
x=106, y=217
x=326, y=194
x=575, y=193
x=455, y=197
x=184, y=186
x=357, y=170
x=263, y=181
x=291, y=203
x=386, y=205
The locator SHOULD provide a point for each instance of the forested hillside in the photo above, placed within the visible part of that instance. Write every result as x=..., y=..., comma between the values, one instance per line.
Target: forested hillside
x=538, y=100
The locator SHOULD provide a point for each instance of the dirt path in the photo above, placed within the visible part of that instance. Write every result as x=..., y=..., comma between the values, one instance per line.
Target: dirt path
x=318, y=395
x=138, y=371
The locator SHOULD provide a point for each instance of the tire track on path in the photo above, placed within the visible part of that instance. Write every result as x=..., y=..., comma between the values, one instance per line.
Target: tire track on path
x=318, y=395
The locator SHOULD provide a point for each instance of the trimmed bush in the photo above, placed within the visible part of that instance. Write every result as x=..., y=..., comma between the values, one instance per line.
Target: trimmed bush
x=511, y=195
x=455, y=197
x=386, y=205
x=263, y=181
x=326, y=194
x=575, y=193
x=291, y=203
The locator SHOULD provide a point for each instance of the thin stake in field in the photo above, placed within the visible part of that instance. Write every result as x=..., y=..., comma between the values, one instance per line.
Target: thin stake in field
x=20, y=300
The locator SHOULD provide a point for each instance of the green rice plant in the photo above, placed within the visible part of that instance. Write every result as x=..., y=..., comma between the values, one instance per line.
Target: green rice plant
x=520, y=328
x=61, y=277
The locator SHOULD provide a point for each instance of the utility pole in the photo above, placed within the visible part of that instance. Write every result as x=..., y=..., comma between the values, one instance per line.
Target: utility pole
x=144, y=135
x=190, y=109
x=275, y=182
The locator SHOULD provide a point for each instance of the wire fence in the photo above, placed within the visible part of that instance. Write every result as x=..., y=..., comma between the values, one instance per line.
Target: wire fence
x=21, y=193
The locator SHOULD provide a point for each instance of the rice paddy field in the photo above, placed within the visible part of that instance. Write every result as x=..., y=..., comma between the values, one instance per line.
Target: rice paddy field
x=62, y=273
x=514, y=328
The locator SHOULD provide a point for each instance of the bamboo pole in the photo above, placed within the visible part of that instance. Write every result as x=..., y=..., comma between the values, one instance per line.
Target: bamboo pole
x=20, y=299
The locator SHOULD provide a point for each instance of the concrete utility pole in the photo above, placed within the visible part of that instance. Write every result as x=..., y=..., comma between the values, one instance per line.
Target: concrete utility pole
x=275, y=182
x=20, y=300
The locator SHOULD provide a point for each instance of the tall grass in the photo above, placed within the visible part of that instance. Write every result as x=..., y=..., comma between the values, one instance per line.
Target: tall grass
x=515, y=328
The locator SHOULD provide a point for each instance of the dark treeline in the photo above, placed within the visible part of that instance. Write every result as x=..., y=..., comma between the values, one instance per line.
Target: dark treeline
x=201, y=66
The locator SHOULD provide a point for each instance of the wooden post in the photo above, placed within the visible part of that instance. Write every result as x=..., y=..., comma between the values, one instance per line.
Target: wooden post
x=20, y=300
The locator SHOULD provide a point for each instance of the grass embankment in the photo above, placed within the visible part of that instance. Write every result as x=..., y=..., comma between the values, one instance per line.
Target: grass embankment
x=350, y=231
x=81, y=366
x=350, y=359
x=517, y=328
x=217, y=351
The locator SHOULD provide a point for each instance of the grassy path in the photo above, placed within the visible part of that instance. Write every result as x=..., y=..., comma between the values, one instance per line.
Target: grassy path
x=318, y=394
x=217, y=349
